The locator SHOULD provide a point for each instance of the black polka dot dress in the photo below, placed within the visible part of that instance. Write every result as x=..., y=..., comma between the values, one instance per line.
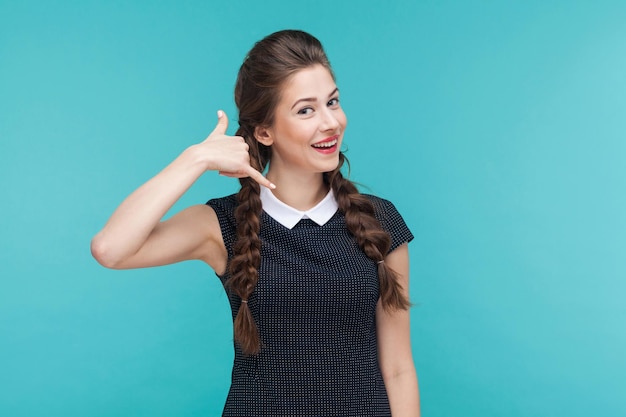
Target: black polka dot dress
x=315, y=307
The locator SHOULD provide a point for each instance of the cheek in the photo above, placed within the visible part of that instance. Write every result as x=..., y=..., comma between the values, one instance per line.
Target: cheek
x=343, y=120
x=295, y=135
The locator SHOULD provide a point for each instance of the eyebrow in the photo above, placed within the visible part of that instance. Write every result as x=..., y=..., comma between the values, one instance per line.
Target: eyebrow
x=310, y=99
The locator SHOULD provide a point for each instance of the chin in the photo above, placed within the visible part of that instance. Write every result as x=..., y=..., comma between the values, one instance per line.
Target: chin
x=331, y=164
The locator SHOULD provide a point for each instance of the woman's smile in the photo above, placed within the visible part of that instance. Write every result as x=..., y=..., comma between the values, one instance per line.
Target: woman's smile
x=328, y=145
x=308, y=125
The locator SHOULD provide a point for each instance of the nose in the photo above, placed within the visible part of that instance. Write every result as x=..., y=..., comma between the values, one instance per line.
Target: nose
x=329, y=121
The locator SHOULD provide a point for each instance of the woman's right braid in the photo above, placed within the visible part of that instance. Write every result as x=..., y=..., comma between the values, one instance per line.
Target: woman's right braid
x=244, y=265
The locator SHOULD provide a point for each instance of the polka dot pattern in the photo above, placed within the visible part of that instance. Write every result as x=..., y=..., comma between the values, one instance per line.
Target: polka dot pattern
x=315, y=307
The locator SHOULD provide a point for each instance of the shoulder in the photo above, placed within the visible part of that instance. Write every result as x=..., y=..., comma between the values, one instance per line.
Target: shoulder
x=382, y=208
x=377, y=201
x=227, y=203
x=224, y=208
x=391, y=220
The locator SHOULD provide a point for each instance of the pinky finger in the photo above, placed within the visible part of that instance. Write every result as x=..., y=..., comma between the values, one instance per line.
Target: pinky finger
x=232, y=174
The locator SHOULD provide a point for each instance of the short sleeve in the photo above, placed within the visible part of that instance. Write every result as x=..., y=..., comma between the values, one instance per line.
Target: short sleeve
x=225, y=210
x=391, y=221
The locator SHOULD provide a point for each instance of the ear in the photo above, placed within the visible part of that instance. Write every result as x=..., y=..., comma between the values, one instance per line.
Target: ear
x=263, y=135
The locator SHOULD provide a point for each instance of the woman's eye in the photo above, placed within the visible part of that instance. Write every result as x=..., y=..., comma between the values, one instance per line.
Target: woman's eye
x=333, y=102
x=306, y=110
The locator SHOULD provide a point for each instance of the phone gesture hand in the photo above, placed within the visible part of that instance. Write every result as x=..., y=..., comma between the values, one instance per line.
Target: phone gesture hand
x=230, y=154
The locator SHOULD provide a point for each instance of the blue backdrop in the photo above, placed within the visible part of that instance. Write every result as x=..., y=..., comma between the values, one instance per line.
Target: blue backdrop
x=497, y=128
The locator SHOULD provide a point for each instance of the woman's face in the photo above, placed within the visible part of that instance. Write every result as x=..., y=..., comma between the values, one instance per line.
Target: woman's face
x=308, y=124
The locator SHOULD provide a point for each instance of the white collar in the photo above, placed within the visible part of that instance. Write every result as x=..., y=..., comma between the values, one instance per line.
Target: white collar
x=289, y=216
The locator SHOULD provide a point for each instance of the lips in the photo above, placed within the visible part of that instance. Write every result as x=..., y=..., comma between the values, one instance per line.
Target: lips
x=328, y=145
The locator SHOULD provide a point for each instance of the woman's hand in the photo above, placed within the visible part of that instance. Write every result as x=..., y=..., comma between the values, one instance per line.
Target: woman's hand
x=229, y=154
x=135, y=236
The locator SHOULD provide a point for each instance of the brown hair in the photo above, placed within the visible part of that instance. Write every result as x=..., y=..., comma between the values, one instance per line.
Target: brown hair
x=265, y=69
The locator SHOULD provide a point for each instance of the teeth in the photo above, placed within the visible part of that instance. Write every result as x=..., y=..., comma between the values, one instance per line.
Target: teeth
x=326, y=144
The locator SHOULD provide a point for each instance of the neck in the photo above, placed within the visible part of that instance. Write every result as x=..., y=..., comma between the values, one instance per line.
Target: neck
x=300, y=191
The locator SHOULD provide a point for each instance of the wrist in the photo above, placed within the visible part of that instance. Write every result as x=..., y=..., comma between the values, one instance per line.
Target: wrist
x=194, y=157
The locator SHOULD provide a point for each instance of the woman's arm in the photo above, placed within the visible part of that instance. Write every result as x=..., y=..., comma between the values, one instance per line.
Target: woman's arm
x=135, y=237
x=394, y=346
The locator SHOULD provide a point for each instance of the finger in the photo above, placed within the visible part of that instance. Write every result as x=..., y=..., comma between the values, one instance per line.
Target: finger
x=222, y=123
x=258, y=177
x=232, y=174
x=254, y=175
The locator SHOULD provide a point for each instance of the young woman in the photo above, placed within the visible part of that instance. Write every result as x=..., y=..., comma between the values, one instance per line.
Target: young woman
x=316, y=273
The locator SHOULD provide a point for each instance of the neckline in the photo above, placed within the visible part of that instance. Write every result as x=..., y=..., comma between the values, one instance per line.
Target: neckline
x=288, y=216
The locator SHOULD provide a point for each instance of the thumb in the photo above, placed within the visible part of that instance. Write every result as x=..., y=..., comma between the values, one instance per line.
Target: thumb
x=222, y=123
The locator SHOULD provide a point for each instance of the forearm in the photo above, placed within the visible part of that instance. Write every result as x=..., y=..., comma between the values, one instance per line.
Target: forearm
x=136, y=217
x=403, y=393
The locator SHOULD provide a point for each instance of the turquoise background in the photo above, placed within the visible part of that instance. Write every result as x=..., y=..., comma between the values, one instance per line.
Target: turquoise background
x=497, y=128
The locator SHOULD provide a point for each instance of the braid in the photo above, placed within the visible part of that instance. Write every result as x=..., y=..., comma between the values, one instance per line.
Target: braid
x=244, y=265
x=373, y=240
x=260, y=80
